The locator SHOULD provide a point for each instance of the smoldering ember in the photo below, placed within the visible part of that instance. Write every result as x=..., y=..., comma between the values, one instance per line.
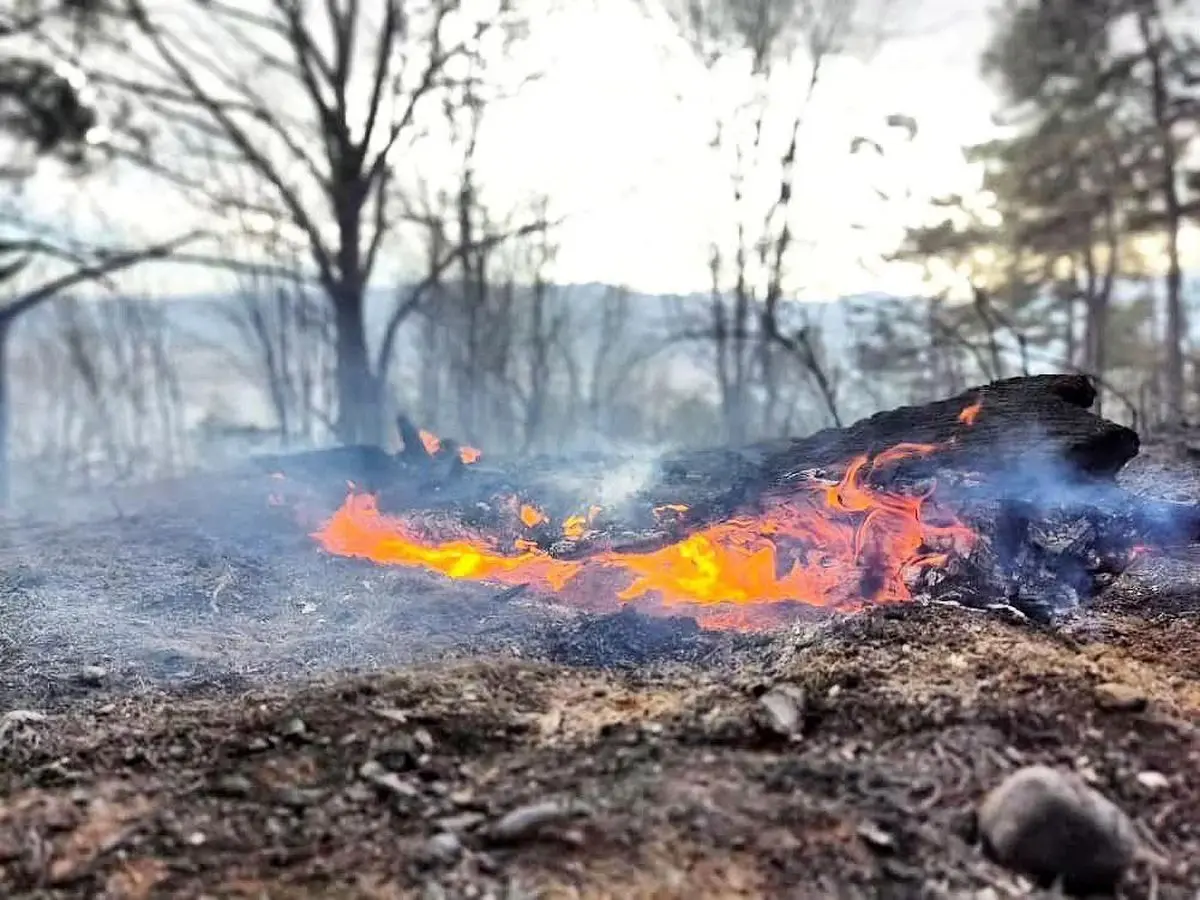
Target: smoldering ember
x=798, y=668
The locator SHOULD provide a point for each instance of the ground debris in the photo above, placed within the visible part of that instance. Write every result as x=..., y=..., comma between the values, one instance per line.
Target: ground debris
x=783, y=708
x=657, y=780
x=530, y=818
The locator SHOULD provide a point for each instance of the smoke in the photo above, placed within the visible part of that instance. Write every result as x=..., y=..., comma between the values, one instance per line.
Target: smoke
x=202, y=580
x=615, y=487
x=1053, y=537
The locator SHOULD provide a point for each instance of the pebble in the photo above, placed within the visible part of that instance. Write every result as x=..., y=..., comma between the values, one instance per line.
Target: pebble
x=443, y=847
x=525, y=820
x=294, y=728
x=1152, y=781
x=875, y=837
x=1116, y=697
x=1050, y=824
x=92, y=676
x=379, y=776
x=784, y=706
x=233, y=786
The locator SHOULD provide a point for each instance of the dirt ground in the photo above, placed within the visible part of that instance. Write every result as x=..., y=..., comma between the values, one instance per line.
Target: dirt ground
x=165, y=731
x=503, y=778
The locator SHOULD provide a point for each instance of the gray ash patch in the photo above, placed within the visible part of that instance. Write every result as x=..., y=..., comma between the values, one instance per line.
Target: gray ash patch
x=631, y=639
x=164, y=602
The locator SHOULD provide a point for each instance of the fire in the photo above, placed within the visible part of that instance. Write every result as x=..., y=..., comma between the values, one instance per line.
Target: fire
x=575, y=527
x=970, y=413
x=532, y=516
x=431, y=441
x=838, y=545
x=433, y=445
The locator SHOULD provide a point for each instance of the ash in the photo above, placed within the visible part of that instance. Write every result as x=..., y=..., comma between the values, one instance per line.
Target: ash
x=203, y=586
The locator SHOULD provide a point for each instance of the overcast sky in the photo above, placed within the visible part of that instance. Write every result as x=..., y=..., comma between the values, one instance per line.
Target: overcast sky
x=618, y=140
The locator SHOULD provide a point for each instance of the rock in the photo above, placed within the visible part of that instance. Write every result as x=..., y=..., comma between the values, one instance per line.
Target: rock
x=525, y=820
x=233, y=786
x=875, y=837
x=379, y=776
x=298, y=797
x=17, y=721
x=783, y=709
x=294, y=728
x=1049, y=825
x=1152, y=781
x=423, y=739
x=1116, y=697
x=92, y=676
x=443, y=847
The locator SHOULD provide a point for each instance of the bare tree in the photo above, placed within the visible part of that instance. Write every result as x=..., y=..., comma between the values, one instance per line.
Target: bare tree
x=303, y=115
x=103, y=402
x=287, y=333
x=607, y=360
x=85, y=265
x=751, y=327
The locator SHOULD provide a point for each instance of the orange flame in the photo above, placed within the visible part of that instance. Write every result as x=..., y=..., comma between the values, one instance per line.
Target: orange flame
x=532, y=516
x=433, y=444
x=840, y=545
x=970, y=413
x=575, y=527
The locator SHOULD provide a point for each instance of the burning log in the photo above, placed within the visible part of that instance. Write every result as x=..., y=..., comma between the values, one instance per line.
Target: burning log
x=1006, y=423
x=841, y=518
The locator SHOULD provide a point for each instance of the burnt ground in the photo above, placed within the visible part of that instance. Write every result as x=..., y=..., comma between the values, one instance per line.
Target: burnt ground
x=174, y=725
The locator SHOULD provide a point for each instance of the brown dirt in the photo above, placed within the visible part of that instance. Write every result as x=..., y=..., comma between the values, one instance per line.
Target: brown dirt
x=677, y=788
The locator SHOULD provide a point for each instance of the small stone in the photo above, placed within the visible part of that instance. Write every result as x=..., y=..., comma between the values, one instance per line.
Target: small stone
x=1049, y=824
x=233, y=786
x=423, y=739
x=783, y=707
x=875, y=837
x=532, y=817
x=1116, y=697
x=1152, y=781
x=92, y=676
x=443, y=847
x=298, y=797
x=294, y=728
x=374, y=772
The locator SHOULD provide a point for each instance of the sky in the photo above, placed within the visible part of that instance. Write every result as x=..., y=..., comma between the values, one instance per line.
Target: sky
x=616, y=132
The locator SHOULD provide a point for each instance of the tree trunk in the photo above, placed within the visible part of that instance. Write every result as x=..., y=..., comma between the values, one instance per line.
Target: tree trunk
x=359, y=394
x=5, y=417
x=1150, y=26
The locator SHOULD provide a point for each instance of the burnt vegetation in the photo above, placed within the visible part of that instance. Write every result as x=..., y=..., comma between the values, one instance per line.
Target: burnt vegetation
x=350, y=548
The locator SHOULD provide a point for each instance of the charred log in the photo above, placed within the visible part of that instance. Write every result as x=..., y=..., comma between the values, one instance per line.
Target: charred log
x=1019, y=427
x=1014, y=422
x=1023, y=462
